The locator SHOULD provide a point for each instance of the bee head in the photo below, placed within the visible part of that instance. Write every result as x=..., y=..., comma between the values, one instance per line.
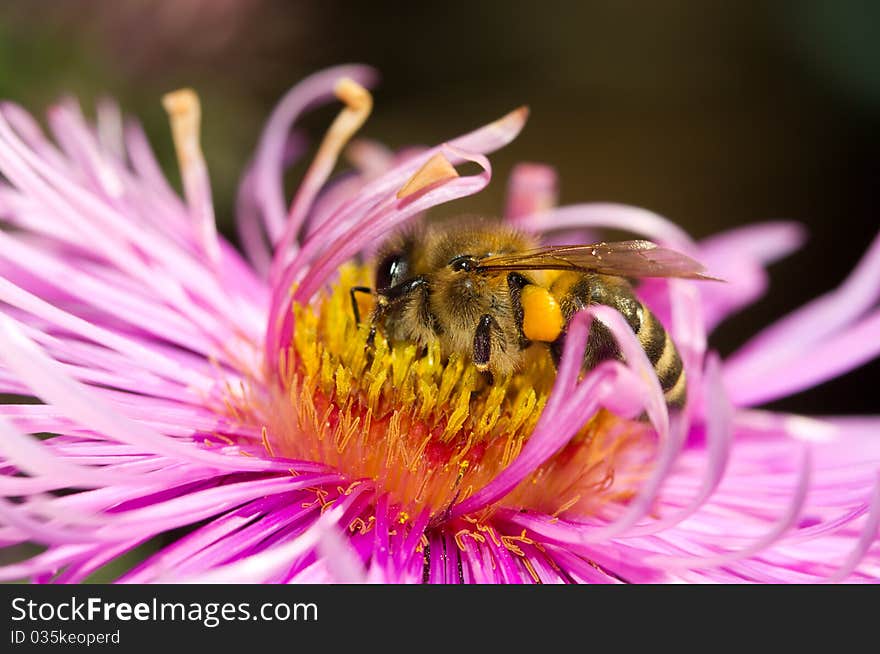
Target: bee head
x=462, y=275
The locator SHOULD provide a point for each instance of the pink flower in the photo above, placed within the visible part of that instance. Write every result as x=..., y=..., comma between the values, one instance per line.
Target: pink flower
x=187, y=386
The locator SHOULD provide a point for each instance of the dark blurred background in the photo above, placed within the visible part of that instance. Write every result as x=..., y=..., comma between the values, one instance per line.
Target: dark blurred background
x=712, y=113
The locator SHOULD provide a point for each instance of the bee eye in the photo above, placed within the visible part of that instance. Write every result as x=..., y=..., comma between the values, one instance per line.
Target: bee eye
x=464, y=263
x=390, y=271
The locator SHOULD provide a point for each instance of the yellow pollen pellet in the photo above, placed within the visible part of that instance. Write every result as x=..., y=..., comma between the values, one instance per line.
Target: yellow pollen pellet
x=542, y=316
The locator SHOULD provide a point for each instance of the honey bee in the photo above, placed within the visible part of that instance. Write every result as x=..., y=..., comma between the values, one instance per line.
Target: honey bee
x=488, y=292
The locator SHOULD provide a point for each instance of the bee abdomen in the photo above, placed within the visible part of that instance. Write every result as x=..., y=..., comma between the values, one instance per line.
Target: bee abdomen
x=578, y=291
x=664, y=356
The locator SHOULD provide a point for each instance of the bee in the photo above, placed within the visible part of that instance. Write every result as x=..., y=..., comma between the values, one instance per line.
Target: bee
x=489, y=292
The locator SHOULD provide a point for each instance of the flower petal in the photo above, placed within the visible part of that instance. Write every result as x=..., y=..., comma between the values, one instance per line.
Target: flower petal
x=268, y=162
x=43, y=375
x=719, y=433
x=607, y=215
x=794, y=336
x=739, y=257
x=833, y=356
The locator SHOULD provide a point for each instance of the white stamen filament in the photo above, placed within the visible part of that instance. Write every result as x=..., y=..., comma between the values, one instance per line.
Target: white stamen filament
x=185, y=115
x=358, y=105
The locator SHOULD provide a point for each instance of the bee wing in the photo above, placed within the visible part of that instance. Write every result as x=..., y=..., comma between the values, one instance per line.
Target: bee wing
x=623, y=259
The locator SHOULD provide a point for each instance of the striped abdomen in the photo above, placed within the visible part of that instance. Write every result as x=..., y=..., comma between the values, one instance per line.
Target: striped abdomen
x=575, y=291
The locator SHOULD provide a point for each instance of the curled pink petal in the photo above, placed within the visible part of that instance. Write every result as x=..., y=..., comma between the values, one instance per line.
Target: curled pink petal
x=268, y=166
x=611, y=216
x=782, y=525
x=718, y=442
x=835, y=355
x=795, y=334
x=867, y=538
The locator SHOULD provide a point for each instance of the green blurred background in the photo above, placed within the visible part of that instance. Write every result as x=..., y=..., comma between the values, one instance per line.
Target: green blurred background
x=712, y=113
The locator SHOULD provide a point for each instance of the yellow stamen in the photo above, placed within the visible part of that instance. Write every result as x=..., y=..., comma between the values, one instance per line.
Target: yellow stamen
x=436, y=169
x=531, y=568
x=266, y=443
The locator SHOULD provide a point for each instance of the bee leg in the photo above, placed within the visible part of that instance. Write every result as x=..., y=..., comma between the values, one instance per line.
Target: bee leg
x=515, y=284
x=483, y=346
x=388, y=296
x=354, y=305
x=375, y=319
x=401, y=290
